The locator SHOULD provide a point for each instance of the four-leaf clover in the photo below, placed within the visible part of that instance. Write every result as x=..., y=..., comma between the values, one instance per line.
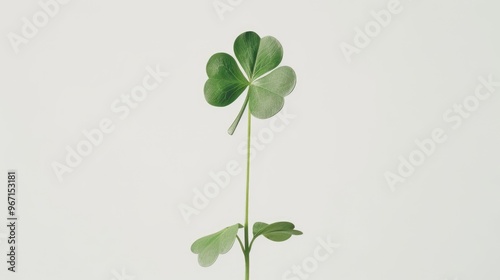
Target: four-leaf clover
x=257, y=56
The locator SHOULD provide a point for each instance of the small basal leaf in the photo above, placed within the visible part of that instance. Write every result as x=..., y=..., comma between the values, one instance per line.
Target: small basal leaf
x=211, y=246
x=266, y=95
x=279, y=231
x=257, y=227
x=225, y=81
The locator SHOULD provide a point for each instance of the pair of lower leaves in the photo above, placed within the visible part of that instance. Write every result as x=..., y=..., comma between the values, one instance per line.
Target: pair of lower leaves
x=211, y=246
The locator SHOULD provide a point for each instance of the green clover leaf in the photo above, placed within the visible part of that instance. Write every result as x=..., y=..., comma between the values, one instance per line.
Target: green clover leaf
x=258, y=57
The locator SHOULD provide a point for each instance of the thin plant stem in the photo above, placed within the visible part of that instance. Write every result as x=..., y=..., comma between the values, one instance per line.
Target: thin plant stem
x=236, y=121
x=241, y=244
x=247, y=247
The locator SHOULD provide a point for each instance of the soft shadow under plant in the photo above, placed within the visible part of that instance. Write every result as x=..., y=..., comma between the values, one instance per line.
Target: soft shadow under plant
x=267, y=86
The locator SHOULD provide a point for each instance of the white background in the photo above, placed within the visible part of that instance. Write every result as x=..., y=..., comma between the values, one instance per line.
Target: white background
x=116, y=216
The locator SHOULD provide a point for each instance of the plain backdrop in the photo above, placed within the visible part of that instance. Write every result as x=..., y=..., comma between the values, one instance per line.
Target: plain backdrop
x=116, y=215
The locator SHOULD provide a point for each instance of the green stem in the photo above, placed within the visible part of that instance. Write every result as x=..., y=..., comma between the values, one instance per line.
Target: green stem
x=241, y=244
x=247, y=266
x=247, y=247
x=236, y=121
